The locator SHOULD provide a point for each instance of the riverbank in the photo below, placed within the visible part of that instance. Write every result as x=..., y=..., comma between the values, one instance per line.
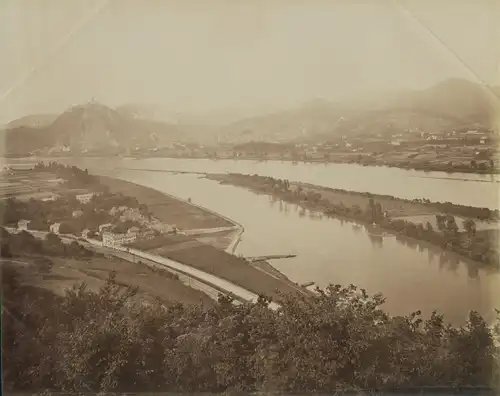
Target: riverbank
x=471, y=190
x=202, y=239
x=210, y=253
x=189, y=251
x=223, y=232
x=459, y=165
x=356, y=158
x=167, y=208
x=382, y=213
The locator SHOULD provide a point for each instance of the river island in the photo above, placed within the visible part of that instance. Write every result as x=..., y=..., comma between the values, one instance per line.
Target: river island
x=469, y=231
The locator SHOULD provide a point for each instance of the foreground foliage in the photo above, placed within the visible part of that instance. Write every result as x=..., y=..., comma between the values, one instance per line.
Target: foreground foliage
x=102, y=341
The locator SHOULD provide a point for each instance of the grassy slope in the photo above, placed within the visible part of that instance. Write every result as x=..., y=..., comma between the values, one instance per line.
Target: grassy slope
x=151, y=284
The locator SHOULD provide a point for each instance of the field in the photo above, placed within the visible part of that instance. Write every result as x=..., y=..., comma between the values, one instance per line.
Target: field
x=167, y=209
x=24, y=185
x=214, y=261
x=151, y=284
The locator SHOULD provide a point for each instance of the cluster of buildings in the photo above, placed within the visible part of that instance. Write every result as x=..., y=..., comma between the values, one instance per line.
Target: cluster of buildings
x=109, y=238
x=147, y=228
x=115, y=239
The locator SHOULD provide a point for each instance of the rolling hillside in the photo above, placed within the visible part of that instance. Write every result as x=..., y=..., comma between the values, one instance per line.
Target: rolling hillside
x=95, y=128
x=35, y=120
x=92, y=128
x=452, y=104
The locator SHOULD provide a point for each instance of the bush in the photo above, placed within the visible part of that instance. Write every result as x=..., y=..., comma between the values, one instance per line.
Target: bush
x=341, y=339
x=67, y=228
x=5, y=250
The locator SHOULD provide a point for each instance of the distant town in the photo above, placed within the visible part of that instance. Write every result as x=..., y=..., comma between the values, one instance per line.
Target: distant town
x=464, y=150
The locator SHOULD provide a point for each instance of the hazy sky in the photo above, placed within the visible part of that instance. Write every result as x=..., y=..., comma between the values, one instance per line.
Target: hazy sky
x=197, y=55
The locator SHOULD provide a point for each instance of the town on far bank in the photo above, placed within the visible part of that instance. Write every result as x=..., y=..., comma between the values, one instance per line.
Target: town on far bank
x=462, y=150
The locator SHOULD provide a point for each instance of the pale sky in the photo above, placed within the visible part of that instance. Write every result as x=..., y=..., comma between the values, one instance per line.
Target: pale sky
x=199, y=55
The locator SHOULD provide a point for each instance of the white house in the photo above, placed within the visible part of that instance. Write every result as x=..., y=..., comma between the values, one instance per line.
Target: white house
x=54, y=228
x=23, y=224
x=112, y=240
x=77, y=213
x=85, y=198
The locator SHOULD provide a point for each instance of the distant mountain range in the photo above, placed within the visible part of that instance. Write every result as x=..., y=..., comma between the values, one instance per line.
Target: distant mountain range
x=34, y=120
x=93, y=127
x=453, y=104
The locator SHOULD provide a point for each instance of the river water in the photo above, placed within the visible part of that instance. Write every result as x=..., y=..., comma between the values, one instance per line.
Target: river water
x=459, y=188
x=409, y=274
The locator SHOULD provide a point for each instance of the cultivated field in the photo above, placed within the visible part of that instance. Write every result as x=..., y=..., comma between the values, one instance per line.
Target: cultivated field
x=217, y=262
x=167, y=209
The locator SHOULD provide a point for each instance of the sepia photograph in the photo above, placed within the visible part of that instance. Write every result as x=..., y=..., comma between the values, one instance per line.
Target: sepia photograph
x=250, y=197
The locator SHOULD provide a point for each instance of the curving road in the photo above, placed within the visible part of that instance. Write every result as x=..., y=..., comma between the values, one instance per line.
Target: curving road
x=209, y=279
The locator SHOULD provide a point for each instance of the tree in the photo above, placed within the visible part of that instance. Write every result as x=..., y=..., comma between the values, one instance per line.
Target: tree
x=67, y=228
x=451, y=225
x=5, y=250
x=429, y=227
x=371, y=209
x=470, y=226
x=378, y=211
x=482, y=166
x=440, y=221
x=38, y=224
x=53, y=239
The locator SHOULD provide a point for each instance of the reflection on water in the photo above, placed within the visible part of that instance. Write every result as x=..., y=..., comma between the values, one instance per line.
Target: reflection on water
x=377, y=241
x=286, y=208
x=473, y=272
x=411, y=275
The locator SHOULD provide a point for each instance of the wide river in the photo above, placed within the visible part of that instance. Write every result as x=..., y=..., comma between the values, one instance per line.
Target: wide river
x=459, y=188
x=410, y=275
